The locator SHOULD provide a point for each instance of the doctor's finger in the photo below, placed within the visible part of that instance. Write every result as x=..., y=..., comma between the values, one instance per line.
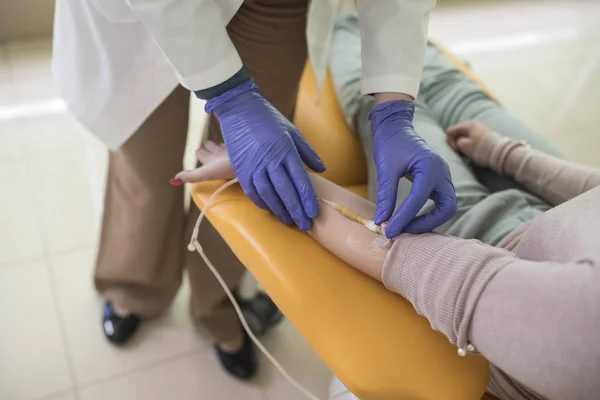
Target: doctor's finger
x=287, y=192
x=419, y=194
x=387, y=193
x=266, y=192
x=303, y=186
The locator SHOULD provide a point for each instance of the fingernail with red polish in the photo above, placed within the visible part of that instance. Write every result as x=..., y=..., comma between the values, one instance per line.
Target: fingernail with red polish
x=176, y=182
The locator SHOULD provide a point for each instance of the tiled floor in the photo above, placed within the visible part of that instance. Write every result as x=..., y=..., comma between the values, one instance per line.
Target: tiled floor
x=541, y=58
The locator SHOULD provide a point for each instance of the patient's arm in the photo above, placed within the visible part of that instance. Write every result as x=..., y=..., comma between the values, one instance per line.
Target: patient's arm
x=347, y=239
x=475, y=293
x=472, y=293
x=553, y=179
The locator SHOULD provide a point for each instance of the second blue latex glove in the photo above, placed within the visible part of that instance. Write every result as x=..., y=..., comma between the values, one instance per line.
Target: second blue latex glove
x=398, y=152
x=266, y=152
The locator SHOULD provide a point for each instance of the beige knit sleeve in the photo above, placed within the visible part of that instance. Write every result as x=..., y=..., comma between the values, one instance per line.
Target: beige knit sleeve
x=442, y=276
x=536, y=322
x=553, y=179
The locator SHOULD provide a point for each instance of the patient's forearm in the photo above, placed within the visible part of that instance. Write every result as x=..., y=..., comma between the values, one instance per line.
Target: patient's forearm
x=525, y=317
x=551, y=178
x=347, y=239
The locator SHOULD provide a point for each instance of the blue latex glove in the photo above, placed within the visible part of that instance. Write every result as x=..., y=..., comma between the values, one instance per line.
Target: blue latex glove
x=266, y=152
x=398, y=152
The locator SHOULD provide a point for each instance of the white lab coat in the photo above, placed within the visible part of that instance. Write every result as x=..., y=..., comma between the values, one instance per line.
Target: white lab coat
x=115, y=61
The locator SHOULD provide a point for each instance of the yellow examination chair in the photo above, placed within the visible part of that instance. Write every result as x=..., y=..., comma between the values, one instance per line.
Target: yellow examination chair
x=371, y=339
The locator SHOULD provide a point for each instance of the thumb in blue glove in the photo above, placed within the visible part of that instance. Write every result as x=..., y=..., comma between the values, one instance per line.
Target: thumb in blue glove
x=398, y=151
x=266, y=152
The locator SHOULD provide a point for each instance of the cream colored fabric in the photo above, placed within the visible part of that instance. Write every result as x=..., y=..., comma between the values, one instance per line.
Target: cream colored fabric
x=115, y=62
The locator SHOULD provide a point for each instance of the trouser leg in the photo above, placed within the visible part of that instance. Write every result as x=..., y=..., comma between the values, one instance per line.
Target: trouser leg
x=271, y=40
x=141, y=245
x=490, y=216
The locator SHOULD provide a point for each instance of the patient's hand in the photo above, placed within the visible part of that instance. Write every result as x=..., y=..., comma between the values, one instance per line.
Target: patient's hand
x=473, y=139
x=215, y=165
x=346, y=239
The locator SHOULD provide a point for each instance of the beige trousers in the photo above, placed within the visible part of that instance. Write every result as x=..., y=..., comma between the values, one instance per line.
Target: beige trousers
x=143, y=246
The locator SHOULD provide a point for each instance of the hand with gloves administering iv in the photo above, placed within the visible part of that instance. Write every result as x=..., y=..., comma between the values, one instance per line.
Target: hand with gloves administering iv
x=266, y=152
x=398, y=152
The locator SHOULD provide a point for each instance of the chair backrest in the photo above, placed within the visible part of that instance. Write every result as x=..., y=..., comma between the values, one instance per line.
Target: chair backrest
x=323, y=126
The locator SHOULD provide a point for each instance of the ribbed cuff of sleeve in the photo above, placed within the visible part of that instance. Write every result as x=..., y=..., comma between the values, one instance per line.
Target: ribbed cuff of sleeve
x=500, y=160
x=442, y=277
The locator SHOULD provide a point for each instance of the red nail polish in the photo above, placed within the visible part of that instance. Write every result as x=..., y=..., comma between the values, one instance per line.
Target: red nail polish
x=176, y=182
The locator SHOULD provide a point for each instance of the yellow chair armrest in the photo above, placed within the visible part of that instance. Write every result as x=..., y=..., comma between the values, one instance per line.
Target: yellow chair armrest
x=323, y=126
x=371, y=339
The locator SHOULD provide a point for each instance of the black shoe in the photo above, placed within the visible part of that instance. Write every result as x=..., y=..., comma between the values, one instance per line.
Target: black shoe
x=260, y=313
x=243, y=364
x=118, y=330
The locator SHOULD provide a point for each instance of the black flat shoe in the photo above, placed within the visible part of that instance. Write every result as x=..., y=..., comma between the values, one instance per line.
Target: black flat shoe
x=243, y=364
x=118, y=330
x=260, y=313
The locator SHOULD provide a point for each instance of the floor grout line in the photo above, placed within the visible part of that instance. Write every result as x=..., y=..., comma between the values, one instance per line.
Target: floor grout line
x=54, y=395
x=49, y=265
x=21, y=262
x=62, y=325
x=52, y=254
x=149, y=365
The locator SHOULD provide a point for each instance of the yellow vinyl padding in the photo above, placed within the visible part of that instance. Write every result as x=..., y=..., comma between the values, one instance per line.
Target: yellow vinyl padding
x=371, y=339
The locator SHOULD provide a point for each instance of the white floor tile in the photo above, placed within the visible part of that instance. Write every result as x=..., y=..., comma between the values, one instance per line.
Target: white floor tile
x=10, y=140
x=32, y=357
x=7, y=95
x=19, y=229
x=93, y=357
x=52, y=134
x=34, y=89
x=194, y=377
x=578, y=143
x=65, y=191
x=69, y=395
x=583, y=102
x=301, y=362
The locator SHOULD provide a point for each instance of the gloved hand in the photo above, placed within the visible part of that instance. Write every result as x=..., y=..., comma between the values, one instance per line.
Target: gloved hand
x=398, y=152
x=266, y=152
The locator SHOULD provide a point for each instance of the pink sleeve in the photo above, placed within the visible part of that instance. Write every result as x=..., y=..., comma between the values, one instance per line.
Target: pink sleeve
x=442, y=277
x=553, y=179
x=536, y=322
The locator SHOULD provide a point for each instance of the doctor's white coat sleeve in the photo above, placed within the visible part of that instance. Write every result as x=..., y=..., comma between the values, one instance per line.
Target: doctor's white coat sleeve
x=394, y=38
x=192, y=35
